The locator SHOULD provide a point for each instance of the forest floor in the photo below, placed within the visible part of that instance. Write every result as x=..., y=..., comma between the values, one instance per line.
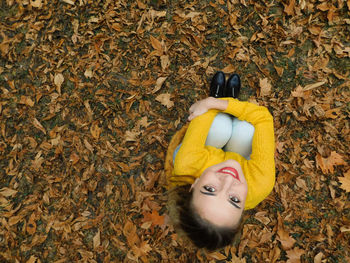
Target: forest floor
x=92, y=92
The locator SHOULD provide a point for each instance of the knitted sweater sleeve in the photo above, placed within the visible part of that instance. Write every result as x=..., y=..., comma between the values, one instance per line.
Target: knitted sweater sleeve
x=260, y=169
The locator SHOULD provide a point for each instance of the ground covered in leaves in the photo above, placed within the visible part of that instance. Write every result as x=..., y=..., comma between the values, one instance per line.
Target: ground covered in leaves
x=92, y=92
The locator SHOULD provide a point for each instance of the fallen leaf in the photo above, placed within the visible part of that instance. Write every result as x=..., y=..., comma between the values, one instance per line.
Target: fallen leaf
x=265, y=87
x=95, y=130
x=27, y=101
x=7, y=192
x=156, y=44
x=327, y=164
x=294, y=255
x=159, y=84
x=97, y=239
x=289, y=9
x=58, y=80
x=286, y=240
x=164, y=62
x=31, y=225
x=36, y=3
x=32, y=259
x=345, y=181
x=164, y=99
x=154, y=217
x=318, y=257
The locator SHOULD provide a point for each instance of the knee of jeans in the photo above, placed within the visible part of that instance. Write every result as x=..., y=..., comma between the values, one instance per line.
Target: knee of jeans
x=242, y=130
x=220, y=131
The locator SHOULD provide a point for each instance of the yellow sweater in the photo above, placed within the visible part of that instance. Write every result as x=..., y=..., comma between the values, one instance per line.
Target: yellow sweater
x=194, y=157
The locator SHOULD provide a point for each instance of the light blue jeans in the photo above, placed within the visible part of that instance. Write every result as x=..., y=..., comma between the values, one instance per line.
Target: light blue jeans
x=230, y=134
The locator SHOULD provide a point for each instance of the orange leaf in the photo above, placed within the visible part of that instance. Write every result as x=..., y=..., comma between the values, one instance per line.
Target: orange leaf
x=289, y=9
x=156, y=219
x=327, y=164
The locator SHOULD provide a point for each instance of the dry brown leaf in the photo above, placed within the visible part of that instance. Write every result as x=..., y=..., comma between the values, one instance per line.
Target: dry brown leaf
x=217, y=256
x=7, y=192
x=156, y=219
x=31, y=225
x=345, y=181
x=97, y=239
x=298, y=92
x=59, y=79
x=164, y=62
x=229, y=69
x=129, y=232
x=294, y=255
x=27, y=101
x=156, y=44
x=36, y=3
x=318, y=257
x=164, y=99
x=95, y=130
x=289, y=9
x=159, y=84
x=32, y=259
x=287, y=241
x=265, y=87
x=327, y=164
x=38, y=125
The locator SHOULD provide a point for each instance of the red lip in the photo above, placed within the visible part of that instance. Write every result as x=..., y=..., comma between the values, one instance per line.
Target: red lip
x=231, y=169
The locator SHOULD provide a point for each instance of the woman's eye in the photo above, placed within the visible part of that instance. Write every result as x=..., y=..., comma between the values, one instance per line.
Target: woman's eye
x=209, y=188
x=234, y=199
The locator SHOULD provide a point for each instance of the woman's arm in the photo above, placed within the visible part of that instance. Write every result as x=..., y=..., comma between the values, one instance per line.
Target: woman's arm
x=202, y=106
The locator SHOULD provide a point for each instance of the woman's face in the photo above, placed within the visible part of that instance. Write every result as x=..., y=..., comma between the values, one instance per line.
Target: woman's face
x=219, y=194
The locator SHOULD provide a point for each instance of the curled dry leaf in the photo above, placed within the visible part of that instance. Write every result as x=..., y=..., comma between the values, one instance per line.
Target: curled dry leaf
x=159, y=84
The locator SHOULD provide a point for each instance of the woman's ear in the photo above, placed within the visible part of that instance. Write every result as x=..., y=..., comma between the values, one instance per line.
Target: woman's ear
x=194, y=184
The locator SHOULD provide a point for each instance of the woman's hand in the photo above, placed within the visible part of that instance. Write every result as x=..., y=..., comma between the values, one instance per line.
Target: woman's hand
x=202, y=106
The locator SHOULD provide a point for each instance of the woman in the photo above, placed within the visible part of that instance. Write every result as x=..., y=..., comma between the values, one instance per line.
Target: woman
x=224, y=164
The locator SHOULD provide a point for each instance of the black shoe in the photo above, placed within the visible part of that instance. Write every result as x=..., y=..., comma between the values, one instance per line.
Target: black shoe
x=217, y=85
x=233, y=86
